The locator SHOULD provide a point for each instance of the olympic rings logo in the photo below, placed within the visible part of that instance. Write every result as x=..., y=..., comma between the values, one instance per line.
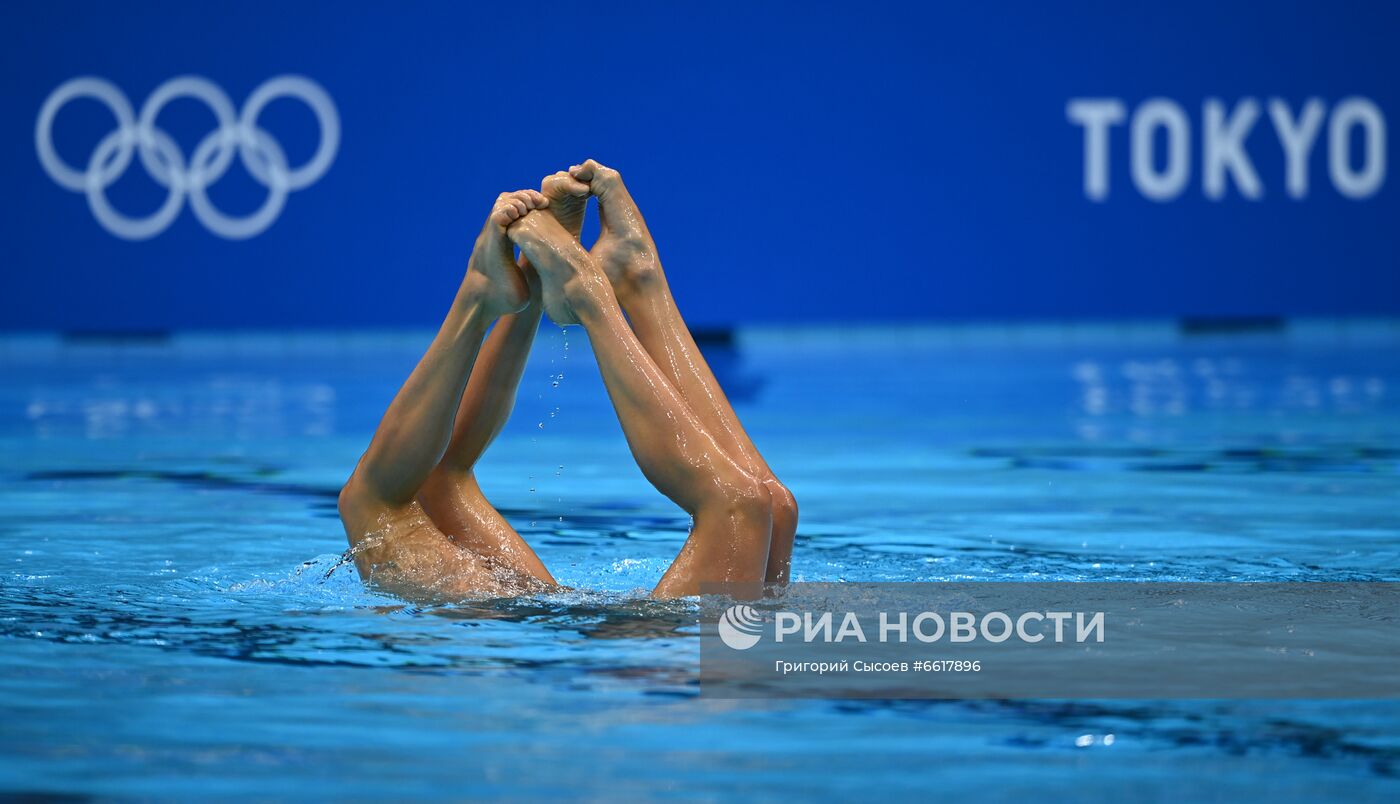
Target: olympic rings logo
x=236, y=133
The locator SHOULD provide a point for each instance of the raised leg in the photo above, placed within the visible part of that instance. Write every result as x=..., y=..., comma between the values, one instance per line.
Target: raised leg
x=451, y=494
x=731, y=508
x=397, y=546
x=627, y=254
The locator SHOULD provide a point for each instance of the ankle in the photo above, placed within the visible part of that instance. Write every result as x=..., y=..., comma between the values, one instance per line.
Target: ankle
x=642, y=280
x=472, y=292
x=481, y=298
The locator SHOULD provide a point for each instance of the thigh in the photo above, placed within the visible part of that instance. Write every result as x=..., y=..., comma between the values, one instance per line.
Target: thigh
x=403, y=553
x=725, y=547
x=460, y=510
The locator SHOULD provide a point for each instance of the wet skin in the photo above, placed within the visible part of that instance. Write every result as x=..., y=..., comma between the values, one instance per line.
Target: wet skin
x=416, y=518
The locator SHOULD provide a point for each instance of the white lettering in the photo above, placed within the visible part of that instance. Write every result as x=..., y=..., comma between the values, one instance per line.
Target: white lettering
x=1224, y=150
x=1348, y=113
x=1096, y=115
x=1171, y=180
x=1297, y=138
x=786, y=623
x=902, y=627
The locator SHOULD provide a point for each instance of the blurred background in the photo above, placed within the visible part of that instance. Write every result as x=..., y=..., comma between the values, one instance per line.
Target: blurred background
x=813, y=162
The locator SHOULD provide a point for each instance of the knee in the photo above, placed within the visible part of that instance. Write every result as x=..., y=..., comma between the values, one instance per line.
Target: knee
x=784, y=505
x=345, y=502
x=354, y=503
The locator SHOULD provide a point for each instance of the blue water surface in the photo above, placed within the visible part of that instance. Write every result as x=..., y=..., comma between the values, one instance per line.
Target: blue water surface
x=176, y=618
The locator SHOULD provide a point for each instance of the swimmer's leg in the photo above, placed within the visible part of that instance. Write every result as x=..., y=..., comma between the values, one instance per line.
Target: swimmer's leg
x=396, y=544
x=627, y=254
x=451, y=494
x=732, y=509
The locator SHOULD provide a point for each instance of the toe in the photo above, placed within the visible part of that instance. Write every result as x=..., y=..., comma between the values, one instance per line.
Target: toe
x=561, y=184
x=573, y=186
x=599, y=177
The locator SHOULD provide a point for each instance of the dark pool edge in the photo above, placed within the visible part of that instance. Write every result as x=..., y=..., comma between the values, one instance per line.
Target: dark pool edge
x=1379, y=331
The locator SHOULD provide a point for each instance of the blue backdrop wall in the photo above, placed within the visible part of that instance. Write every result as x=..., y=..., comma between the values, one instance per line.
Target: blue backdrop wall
x=797, y=162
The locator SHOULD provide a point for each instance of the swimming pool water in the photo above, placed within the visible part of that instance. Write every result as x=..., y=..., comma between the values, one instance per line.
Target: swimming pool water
x=175, y=619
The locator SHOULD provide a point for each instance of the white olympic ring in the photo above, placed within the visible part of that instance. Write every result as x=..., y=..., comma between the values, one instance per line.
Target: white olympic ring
x=162, y=158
